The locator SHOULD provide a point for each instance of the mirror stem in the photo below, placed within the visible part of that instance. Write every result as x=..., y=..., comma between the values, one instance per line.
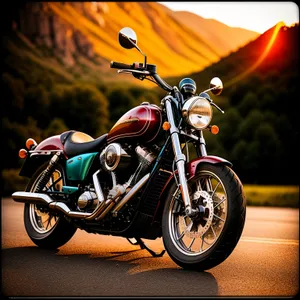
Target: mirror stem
x=136, y=46
x=213, y=88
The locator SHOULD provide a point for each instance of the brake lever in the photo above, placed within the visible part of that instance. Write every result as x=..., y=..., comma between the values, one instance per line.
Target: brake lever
x=134, y=71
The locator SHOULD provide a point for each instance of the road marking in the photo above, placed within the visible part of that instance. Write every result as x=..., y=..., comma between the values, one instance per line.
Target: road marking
x=270, y=241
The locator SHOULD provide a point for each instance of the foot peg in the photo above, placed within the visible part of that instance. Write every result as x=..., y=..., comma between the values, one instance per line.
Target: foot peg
x=143, y=246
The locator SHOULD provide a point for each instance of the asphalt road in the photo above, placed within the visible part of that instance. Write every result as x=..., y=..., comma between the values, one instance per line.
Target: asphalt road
x=264, y=263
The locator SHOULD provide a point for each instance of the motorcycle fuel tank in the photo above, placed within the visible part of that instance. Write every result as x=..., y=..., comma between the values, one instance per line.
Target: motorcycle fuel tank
x=141, y=123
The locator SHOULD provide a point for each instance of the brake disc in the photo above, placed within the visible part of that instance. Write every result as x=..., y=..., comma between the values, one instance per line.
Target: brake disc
x=189, y=229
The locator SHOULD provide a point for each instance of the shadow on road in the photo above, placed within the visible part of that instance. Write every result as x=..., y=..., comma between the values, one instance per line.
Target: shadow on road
x=31, y=271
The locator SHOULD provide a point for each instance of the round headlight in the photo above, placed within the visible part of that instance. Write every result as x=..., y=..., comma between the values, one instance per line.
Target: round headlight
x=197, y=112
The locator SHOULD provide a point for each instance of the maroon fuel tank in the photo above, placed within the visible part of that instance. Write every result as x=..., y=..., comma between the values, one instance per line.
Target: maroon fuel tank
x=142, y=123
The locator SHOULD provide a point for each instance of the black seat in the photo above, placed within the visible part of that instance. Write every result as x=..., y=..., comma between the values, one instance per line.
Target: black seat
x=76, y=143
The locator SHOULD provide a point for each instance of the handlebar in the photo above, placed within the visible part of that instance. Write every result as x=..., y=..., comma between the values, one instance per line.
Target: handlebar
x=119, y=65
x=137, y=67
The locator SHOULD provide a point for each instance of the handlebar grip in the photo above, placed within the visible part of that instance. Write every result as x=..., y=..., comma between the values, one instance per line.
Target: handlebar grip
x=119, y=65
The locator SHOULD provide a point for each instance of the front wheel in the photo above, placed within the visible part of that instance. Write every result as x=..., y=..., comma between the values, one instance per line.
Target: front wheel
x=208, y=238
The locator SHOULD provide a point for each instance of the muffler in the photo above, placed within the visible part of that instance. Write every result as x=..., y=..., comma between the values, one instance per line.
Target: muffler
x=32, y=198
x=37, y=198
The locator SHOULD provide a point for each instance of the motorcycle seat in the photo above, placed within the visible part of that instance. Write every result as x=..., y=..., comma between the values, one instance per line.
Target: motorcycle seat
x=76, y=143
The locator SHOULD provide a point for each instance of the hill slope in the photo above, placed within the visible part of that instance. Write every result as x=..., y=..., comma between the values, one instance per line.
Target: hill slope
x=85, y=34
x=225, y=38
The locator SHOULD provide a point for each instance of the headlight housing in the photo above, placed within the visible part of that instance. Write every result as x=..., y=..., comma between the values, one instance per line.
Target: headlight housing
x=197, y=112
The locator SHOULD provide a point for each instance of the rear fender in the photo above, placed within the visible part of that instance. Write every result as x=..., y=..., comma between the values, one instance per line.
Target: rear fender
x=41, y=153
x=191, y=169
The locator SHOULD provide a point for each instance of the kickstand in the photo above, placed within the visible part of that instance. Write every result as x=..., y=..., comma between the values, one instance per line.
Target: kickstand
x=143, y=246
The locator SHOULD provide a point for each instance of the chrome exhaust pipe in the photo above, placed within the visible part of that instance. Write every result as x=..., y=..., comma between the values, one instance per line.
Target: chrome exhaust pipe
x=130, y=194
x=37, y=198
x=66, y=210
x=32, y=198
x=98, y=214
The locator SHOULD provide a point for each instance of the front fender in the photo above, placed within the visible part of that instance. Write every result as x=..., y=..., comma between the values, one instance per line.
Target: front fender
x=191, y=169
x=192, y=166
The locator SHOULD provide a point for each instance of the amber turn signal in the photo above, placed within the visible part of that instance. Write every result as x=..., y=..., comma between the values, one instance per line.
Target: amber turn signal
x=30, y=142
x=23, y=153
x=166, y=126
x=214, y=129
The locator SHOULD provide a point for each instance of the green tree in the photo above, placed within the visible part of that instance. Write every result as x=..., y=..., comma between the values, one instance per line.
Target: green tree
x=120, y=101
x=56, y=126
x=37, y=104
x=12, y=90
x=82, y=107
x=249, y=102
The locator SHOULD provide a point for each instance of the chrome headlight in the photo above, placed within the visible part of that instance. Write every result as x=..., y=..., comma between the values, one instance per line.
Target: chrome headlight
x=197, y=112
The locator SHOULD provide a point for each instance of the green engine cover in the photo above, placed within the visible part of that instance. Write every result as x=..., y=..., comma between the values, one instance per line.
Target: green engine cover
x=78, y=166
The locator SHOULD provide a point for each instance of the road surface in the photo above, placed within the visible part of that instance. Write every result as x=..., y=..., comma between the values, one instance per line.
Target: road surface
x=264, y=263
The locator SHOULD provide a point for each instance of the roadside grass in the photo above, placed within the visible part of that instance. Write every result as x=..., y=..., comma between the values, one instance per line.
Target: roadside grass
x=272, y=195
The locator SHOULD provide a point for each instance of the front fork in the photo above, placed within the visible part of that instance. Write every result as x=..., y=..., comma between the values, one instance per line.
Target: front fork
x=180, y=159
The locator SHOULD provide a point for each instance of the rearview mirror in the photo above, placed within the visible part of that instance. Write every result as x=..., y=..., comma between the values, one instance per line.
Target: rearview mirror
x=127, y=38
x=216, y=86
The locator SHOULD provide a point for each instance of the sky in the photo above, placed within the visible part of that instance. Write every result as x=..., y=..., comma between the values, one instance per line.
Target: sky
x=257, y=16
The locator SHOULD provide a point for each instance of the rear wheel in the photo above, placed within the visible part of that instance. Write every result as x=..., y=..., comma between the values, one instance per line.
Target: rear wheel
x=208, y=238
x=47, y=229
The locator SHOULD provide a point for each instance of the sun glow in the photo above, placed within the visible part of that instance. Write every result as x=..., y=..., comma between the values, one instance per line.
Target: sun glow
x=260, y=59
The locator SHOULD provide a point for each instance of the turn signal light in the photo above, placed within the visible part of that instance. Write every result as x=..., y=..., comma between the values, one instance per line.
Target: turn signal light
x=166, y=126
x=214, y=129
x=30, y=142
x=23, y=153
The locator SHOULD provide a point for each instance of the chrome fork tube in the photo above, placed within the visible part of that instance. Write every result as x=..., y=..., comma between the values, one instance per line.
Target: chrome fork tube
x=202, y=144
x=179, y=159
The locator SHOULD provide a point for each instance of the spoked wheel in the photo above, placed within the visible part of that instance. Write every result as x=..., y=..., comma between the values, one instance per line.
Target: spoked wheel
x=47, y=228
x=206, y=239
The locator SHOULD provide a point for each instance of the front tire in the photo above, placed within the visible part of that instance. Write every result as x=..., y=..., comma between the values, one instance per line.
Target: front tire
x=206, y=240
x=45, y=228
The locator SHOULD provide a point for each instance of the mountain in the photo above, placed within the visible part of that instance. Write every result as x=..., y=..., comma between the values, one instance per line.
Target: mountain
x=276, y=50
x=79, y=39
x=225, y=38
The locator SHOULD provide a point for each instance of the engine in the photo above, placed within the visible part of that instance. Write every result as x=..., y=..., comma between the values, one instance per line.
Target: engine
x=125, y=170
x=127, y=167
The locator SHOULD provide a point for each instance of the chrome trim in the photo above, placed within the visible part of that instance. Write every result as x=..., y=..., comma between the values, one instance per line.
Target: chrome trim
x=131, y=193
x=107, y=209
x=33, y=198
x=189, y=135
x=179, y=157
x=97, y=187
x=65, y=209
x=43, y=152
x=166, y=171
x=202, y=144
x=37, y=198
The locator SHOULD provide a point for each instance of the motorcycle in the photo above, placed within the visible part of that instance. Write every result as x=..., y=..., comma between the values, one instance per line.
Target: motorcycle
x=137, y=180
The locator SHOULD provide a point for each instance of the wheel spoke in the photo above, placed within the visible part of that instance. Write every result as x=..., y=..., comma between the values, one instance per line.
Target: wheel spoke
x=215, y=188
x=181, y=235
x=219, y=218
x=201, y=246
x=208, y=184
x=220, y=202
x=49, y=219
x=199, y=188
x=212, y=229
x=191, y=244
x=53, y=183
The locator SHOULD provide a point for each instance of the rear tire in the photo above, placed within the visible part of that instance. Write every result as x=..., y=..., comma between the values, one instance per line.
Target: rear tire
x=45, y=228
x=187, y=240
